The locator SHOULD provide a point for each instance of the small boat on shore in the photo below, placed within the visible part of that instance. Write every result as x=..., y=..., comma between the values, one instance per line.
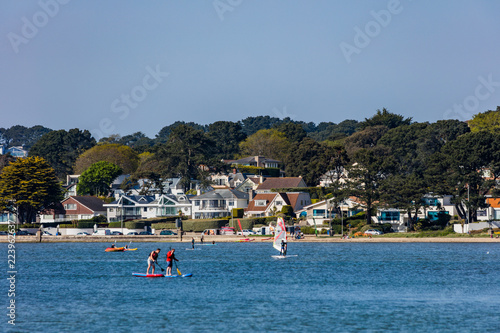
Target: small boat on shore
x=245, y=240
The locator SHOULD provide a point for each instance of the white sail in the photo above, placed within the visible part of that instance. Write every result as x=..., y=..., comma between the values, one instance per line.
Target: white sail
x=279, y=234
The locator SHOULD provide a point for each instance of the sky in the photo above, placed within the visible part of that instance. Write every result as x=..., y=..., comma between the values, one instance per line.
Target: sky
x=121, y=66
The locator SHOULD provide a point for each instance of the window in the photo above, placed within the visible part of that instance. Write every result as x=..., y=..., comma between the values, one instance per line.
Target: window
x=279, y=202
x=70, y=206
x=145, y=209
x=197, y=202
x=111, y=210
x=260, y=203
x=389, y=216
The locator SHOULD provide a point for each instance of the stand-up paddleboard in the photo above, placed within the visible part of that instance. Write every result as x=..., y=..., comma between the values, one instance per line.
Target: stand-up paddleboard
x=284, y=257
x=183, y=275
x=192, y=249
x=204, y=244
x=147, y=275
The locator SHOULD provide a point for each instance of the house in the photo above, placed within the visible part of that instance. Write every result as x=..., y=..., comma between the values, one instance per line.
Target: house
x=17, y=151
x=250, y=183
x=70, y=186
x=322, y=211
x=279, y=182
x=269, y=204
x=256, y=161
x=74, y=208
x=131, y=207
x=217, y=203
x=231, y=180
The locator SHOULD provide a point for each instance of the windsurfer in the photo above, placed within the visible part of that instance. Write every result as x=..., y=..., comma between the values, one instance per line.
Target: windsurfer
x=153, y=256
x=170, y=259
x=283, y=247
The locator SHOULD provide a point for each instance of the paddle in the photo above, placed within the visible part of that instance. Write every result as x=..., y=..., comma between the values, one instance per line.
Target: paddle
x=159, y=266
x=178, y=271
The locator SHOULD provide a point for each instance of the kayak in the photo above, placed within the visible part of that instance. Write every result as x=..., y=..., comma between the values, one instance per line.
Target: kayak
x=115, y=249
x=131, y=249
x=245, y=240
x=147, y=275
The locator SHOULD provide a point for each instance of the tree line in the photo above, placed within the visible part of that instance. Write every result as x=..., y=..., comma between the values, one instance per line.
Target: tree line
x=384, y=160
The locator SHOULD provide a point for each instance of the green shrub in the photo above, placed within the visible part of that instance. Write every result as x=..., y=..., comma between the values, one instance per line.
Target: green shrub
x=66, y=225
x=85, y=224
x=287, y=210
x=160, y=226
x=115, y=224
x=200, y=225
x=135, y=225
x=238, y=212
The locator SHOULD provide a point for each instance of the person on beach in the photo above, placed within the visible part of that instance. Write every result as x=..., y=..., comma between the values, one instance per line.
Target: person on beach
x=170, y=259
x=152, y=259
x=201, y=239
x=192, y=243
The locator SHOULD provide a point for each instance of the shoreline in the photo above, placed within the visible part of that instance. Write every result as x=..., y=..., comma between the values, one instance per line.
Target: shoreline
x=237, y=239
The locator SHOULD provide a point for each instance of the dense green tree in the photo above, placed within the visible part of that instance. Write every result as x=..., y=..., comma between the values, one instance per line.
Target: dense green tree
x=371, y=166
x=97, y=179
x=28, y=186
x=23, y=136
x=252, y=125
x=62, y=148
x=486, y=121
x=186, y=155
x=385, y=118
x=5, y=159
x=269, y=143
x=309, y=161
x=123, y=156
x=227, y=136
x=137, y=141
x=468, y=168
x=294, y=132
x=165, y=132
x=366, y=138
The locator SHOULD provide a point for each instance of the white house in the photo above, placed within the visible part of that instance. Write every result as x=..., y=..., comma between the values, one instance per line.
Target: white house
x=217, y=203
x=323, y=211
x=147, y=206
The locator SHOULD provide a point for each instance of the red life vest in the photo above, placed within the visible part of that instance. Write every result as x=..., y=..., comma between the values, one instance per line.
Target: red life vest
x=169, y=256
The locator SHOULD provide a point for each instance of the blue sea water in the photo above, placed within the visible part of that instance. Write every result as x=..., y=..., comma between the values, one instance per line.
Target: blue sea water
x=239, y=287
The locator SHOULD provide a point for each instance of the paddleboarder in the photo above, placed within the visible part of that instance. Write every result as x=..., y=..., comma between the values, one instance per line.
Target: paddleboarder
x=170, y=259
x=153, y=256
x=192, y=243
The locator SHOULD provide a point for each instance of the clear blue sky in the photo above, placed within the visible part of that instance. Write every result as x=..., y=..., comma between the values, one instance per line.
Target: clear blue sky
x=88, y=64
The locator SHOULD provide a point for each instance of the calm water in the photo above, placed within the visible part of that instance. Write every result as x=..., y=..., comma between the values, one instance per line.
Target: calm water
x=408, y=287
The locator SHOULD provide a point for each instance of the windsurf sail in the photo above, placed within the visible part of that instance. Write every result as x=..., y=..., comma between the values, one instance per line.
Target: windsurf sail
x=279, y=234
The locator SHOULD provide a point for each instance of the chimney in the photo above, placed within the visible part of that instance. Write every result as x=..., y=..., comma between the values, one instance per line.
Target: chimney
x=251, y=194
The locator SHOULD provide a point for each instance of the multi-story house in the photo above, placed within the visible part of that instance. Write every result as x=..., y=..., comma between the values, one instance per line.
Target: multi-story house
x=217, y=203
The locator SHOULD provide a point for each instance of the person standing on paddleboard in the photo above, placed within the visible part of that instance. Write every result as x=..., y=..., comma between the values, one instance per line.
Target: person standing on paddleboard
x=192, y=242
x=153, y=256
x=170, y=259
